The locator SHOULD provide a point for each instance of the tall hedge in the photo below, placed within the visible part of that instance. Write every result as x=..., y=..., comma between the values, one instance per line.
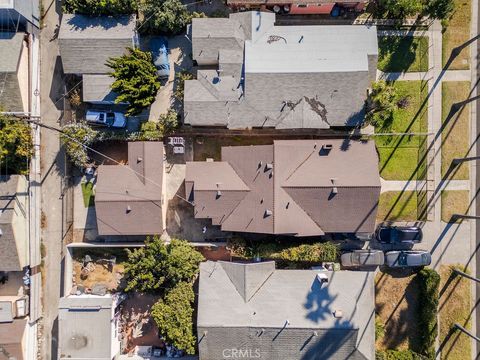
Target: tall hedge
x=100, y=7
x=398, y=355
x=429, y=282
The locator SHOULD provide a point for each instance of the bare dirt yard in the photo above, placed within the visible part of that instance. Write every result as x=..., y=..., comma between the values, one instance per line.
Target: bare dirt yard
x=396, y=307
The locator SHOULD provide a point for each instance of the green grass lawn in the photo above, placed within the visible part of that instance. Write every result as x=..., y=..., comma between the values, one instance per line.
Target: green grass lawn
x=402, y=53
x=454, y=307
x=88, y=197
x=456, y=34
x=456, y=134
x=454, y=202
x=401, y=155
x=398, y=206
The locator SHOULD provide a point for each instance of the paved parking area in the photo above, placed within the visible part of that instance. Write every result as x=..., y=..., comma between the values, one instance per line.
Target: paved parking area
x=180, y=60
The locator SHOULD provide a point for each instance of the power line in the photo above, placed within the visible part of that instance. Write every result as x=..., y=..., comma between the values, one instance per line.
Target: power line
x=37, y=122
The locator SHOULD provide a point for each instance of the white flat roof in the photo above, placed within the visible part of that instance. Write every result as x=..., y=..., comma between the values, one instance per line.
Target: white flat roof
x=311, y=49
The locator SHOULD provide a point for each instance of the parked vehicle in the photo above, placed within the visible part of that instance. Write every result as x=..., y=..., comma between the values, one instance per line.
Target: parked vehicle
x=399, y=235
x=159, y=50
x=106, y=118
x=410, y=258
x=362, y=258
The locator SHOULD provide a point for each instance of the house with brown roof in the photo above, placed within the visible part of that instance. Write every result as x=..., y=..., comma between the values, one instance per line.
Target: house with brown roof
x=293, y=187
x=129, y=199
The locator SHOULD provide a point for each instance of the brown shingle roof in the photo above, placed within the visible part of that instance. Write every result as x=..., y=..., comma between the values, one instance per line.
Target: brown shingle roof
x=128, y=198
x=293, y=187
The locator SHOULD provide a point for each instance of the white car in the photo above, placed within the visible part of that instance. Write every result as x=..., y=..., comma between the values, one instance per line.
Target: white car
x=411, y=258
x=106, y=118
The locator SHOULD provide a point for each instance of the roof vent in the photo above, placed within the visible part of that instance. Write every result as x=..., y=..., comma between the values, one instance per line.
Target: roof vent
x=268, y=213
x=338, y=314
x=269, y=166
x=219, y=193
x=326, y=148
x=139, y=159
x=315, y=333
x=322, y=278
x=334, y=183
x=128, y=209
x=260, y=164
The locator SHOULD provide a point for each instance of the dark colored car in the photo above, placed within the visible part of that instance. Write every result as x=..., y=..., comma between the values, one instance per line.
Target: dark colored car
x=399, y=235
x=159, y=50
x=403, y=259
x=358, y=258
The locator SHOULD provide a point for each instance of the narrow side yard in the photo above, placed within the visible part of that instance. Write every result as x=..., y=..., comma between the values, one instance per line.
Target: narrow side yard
x=396, y=305
x=398, y=206
x=402, y=156
x=454, y=307
x=455, y=35
x=403, y=53
x=454, y=202
x=456, y=131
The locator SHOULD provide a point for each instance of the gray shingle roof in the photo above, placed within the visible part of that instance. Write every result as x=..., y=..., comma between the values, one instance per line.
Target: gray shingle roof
x=85, y=326
x=86, y=43
x=283, y=312
x=294, y=76
x=10, y=50
x=127, y=203
x=98, y=88
x=288, y=188
x=12, y=213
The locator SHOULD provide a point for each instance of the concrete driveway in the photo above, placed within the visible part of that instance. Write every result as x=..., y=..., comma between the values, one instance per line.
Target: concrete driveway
x=180, y=60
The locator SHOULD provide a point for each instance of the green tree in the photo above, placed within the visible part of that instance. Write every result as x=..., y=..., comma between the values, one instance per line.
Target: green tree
x=381, y=104
x=181, y=77
x=136, y=80
x=174, y=317
x=166, y=16
x=159, y=266
x=75, y=137
x=100, y=7
x=154, y=131
x=16, y=146
x=400, y=9
x=439, y=9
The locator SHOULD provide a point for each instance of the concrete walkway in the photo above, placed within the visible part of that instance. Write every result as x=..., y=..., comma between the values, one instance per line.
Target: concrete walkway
x=389, y=185
x=448, y=243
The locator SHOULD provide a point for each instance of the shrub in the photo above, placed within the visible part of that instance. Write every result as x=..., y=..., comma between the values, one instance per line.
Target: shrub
x=174, y=317
x=100, y=7
x=180, y=86
x=16, y=145
x=429, y=282
x=75, y=99
x=320, y=252
x=75, y=137
x=136, y=80
x=398, y=355
x=379, y=328
x=160, y=266
x=167, y=17
x=381, y=104
x=154, y=131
